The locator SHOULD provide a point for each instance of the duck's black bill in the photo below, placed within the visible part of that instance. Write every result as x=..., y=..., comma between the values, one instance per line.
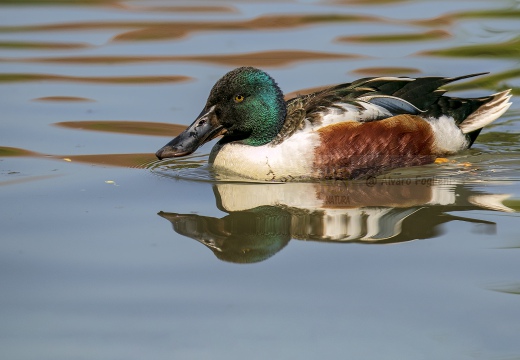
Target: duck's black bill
x=204, y=129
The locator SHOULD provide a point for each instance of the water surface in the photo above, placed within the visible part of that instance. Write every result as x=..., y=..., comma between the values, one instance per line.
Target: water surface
x=107, y=253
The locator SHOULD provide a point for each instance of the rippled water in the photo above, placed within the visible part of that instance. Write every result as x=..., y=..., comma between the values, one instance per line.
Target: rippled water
x=107, y=253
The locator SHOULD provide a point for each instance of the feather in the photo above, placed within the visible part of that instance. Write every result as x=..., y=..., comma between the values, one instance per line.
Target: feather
x=487, y=113
x=393, y=104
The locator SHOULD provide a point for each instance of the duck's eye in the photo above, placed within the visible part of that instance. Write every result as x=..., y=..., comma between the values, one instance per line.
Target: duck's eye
x=239, y=98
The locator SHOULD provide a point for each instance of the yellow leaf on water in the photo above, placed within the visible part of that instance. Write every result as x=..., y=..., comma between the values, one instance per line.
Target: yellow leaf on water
x=441, y=160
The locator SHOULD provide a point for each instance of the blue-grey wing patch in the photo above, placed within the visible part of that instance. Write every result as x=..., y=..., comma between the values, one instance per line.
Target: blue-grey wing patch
x=394, y=105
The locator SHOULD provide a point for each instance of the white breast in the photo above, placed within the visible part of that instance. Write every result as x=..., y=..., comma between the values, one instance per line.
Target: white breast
x=291, y=159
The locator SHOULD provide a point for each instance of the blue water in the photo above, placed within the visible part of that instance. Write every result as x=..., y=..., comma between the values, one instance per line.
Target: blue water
x=89, y=270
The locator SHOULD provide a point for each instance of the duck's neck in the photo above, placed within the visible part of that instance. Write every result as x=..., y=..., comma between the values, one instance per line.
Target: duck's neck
x=268, y=117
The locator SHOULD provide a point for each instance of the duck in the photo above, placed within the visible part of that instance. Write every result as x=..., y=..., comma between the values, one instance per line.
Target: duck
x=346, y=131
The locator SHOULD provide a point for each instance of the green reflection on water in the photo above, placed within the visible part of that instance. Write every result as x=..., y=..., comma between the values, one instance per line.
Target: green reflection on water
x=503, y=140
x=448, y=19
x=513, y=204
x=495, y=81
x=10, y=151
x=491, y=13
x=513, y=289
x=508, y=49
x=27, y=45
x=428, y=35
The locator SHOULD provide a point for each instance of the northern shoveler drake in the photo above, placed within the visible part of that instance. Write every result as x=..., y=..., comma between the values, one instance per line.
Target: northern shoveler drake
x=346, y=131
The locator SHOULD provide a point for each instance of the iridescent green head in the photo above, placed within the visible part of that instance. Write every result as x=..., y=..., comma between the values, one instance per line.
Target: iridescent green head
x=245, y=105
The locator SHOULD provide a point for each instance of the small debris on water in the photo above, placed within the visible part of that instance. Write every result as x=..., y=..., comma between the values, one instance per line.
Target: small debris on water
x=441, y=160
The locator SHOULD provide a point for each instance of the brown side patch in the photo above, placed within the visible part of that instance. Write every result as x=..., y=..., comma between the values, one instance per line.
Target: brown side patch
x=353, y=150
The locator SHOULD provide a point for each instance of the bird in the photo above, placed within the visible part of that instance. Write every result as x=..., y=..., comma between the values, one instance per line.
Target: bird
x=347, y=131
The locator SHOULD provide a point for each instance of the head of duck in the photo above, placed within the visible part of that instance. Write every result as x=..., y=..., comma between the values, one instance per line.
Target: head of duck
x=245, y=106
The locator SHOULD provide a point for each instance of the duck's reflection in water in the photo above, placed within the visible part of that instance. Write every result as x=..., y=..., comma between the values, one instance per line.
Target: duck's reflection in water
x=263, y=218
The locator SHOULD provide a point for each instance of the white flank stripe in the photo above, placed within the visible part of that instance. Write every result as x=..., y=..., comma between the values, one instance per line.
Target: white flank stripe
x=448, y=138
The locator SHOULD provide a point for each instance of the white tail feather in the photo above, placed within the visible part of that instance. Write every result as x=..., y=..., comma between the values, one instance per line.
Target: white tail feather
x=487, y=113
